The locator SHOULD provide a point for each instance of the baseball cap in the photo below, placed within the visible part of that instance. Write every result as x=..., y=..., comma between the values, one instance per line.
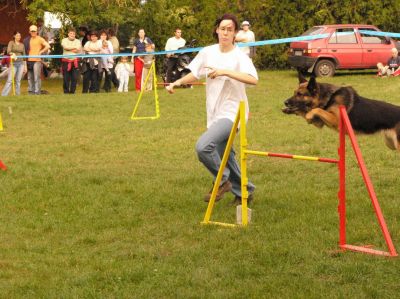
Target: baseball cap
x=32, y=28
x=244, y=23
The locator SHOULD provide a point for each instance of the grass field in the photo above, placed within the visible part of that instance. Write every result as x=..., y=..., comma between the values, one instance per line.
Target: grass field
x=95, y=205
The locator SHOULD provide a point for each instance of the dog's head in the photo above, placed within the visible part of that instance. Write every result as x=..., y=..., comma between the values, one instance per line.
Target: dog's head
x=305, y=98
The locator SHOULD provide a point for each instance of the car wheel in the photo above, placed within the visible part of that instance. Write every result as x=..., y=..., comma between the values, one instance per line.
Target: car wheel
x=324, y=68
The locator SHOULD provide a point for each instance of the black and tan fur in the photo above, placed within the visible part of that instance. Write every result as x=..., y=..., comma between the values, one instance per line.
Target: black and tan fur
x=319, y=104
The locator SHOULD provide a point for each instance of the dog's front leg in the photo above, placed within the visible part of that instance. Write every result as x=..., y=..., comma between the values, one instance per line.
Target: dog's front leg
x=329, y=118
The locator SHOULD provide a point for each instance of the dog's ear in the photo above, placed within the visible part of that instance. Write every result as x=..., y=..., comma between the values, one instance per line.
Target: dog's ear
x=312, y=86
x=302, y=79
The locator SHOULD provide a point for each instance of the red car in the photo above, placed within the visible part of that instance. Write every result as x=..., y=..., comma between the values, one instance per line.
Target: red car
x=345, y=47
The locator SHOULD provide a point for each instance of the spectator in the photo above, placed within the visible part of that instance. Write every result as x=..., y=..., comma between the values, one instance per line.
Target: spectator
x=115, y=43
x=147, y=62
x=122, y=72
x=84, y=35
x=173, y=43
x=71, y=46
x=139, y=46
x=106, y=48
x=90, y=66
x=15, y=48
x=246, y=36
x=5, y=63
x=393, y=65
x=35, y=46
x=228, y=70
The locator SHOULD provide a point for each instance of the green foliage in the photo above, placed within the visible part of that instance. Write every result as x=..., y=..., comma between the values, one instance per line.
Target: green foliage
x=270, y=19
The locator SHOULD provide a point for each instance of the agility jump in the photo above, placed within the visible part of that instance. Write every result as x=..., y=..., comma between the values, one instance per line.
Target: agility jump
x=344, y=127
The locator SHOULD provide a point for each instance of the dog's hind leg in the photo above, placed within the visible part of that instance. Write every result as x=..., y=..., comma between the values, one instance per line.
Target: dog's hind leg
x=392, y=137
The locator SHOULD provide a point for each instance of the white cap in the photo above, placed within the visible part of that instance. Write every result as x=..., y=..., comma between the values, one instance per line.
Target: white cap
x=244, y=23
x=33, y=28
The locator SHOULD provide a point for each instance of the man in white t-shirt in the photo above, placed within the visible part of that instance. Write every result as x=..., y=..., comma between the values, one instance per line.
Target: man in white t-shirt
x=246, y=36
x=227, y=70
x=173, y=43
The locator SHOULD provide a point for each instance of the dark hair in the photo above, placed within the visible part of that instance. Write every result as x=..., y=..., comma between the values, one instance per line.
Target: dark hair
x=15, y=33
x=83, y=28
x=71, y=30
x=94, y=32
x=226, y=16
x=103, y=31
x=111, y=32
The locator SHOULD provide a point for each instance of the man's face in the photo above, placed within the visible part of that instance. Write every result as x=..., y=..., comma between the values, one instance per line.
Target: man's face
x=226, y=32
x=33, y=33
x=178, y=33
x=245, y=27
x=93, y=38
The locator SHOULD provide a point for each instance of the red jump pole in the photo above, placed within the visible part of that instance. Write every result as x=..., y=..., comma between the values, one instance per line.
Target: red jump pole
x=342, y=183
x=368, y=183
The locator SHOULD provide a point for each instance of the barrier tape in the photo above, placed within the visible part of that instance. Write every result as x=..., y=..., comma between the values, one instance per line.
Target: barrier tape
x=190, y=50
x=187, y=50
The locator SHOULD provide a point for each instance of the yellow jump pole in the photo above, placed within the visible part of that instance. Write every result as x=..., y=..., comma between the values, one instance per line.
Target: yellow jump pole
x=243, y=164
x=221, y=170
x=141, y=92
x=155, y=91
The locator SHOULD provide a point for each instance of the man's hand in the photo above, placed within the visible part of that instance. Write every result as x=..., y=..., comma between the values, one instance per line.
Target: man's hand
x=212, y=73
x=170, y=87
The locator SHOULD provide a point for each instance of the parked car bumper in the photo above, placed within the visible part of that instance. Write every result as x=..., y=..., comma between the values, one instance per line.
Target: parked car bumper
x=302, y=62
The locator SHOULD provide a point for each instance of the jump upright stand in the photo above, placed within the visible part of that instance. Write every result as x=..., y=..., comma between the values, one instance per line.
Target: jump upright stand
x=344, y=128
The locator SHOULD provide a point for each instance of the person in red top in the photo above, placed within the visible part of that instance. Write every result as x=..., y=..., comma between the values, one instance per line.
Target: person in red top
x=393, y=65
x=139, y=46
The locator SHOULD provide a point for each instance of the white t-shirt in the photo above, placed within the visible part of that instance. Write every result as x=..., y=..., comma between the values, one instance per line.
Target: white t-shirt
x=174, y=43
x=249, y=37
x=223, y=94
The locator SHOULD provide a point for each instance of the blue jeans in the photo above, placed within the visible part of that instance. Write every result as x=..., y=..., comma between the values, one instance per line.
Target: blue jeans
x=210, y=149
x=18, y=70
x=34, y=79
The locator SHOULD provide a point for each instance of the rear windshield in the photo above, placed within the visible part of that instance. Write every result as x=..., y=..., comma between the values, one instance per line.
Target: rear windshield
x=313, y=31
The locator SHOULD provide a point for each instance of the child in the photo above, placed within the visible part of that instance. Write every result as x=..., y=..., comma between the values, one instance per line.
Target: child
x=105, y=60
x=122, y=72
x=147, y=62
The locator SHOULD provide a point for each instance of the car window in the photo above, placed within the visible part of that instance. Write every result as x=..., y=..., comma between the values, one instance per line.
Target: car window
x=343, y=36
x=369, y=39
x=313, y=31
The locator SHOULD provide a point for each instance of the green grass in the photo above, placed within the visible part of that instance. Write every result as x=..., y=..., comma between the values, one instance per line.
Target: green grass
x=95, y=205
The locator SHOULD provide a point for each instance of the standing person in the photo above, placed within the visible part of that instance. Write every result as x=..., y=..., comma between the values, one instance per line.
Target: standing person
x=115, y=44
x=227, y=70
x=122, y=72
x=83, y=35
x=71, y=46
x=15, y=48
x=139, y=46
x=246, y=36
x=173, y=43
x=91, y=75
x=35, y=46
x=106, y=48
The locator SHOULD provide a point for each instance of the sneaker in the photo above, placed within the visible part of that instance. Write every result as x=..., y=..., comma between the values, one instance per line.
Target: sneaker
x=225, y=187
x=238, y=200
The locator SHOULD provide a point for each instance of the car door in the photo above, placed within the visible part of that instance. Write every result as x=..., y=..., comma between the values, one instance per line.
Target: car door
x=345, y=47
x=375, y=48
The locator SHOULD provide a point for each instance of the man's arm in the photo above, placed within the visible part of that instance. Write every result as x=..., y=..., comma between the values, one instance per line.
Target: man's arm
x=189, y=78
x=239, y=76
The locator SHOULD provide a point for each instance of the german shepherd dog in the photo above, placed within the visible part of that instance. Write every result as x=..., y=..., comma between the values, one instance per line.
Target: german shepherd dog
x=319, y=104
